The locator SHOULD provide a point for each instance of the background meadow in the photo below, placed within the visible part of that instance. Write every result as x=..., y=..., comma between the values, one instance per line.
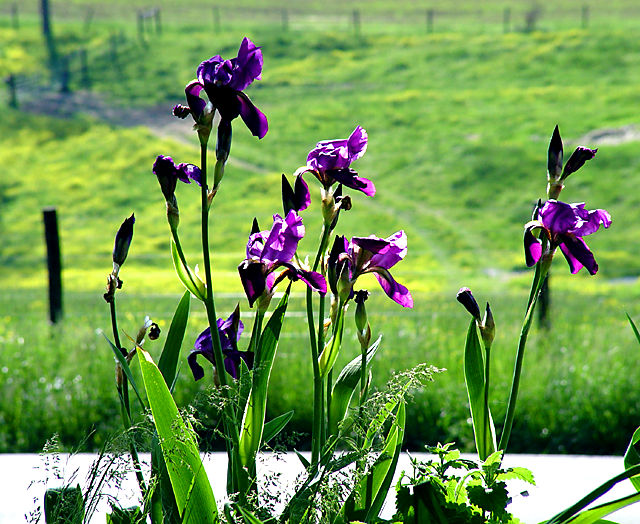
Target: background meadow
x=459, y=115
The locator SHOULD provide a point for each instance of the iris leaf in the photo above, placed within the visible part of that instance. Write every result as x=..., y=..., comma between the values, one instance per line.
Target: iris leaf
x=127, y=370
x=330, y=352
x=474, y=379
x=186, y=276
x=253, y=420
x=168, y=362
x=191, y=486
x=632, y=457
x=345, y=385
x=275, y=426
x=366, y=501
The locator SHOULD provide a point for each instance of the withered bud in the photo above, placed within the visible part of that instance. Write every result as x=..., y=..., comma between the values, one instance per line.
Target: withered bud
x=181, y=111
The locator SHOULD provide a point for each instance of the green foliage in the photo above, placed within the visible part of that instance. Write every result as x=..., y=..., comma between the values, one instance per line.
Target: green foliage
x=451, y=487
x=484, y=103
x=193, y=492
x=131, y=515
x=64, y=505
x=253, y=420
x=474, y=376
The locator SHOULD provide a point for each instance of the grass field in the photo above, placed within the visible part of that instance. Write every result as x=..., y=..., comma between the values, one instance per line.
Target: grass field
x=459, y=123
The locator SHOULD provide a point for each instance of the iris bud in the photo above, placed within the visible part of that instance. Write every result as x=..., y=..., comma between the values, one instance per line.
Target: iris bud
x=123, y=241
x=466, y=298
x=488, y=327
x=360, y=298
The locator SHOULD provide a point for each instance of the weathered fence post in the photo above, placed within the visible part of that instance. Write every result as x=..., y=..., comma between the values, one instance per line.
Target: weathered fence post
x=13, y=94
x=54, y=265
x=585, y=16
x=156, y=16
x=65, y=74
x=506, y=20
x=216, y=19
x=429, y=20
x=84, y=67
x=114, y=47
x=140, y=26
x=285, y=20
x=88, y=18
x=15, y=21
x=356, y=23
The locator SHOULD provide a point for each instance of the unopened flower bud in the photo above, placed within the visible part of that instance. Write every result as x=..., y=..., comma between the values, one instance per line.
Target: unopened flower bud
x=344, y=284
x=328, y=206
x=123, y=241
x=360, y=298
x=223, y=146
x=488, y=327
x=181, y=111
x=466, y=298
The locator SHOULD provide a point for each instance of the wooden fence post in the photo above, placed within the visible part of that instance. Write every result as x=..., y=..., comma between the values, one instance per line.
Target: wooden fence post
x=113, y=40
x=15, y=21
x=585, y=16
x=156, y=16
x=88, y=18
x=54, y=265
x=13, y=95
x=506, y=20
x=140, y=26
x=429, y=20
x=84, y=67
x=216, y=19
x=356, y=23
x=65, y=74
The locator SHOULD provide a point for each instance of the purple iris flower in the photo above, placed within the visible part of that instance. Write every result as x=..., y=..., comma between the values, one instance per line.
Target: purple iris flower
x=229, y=331
x=169, y=173
x=270, y=250
x=330, y=162
x=564, y=225
x=224, y=82
x=348, y=260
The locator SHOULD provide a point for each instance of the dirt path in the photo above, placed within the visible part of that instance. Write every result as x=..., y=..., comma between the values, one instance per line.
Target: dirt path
x=158, y=119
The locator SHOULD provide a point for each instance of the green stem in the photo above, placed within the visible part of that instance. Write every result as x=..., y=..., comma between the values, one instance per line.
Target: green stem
x=487, y=423
x=238, y=481
x=318, y=396
x=125, y=404
x=541, y=270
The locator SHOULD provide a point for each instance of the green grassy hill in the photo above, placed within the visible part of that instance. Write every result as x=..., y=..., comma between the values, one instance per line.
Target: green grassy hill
x=458, y=125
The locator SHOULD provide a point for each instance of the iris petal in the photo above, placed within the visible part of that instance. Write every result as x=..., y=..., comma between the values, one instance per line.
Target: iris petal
x=532, y=248
x=577, y=248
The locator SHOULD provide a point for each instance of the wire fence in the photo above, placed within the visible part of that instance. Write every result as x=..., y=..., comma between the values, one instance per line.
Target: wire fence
x=127, y=25
x=514, y=16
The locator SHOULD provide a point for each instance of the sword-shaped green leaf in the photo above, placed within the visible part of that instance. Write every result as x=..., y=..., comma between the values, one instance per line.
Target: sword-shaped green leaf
x=191, y=486
x=483, y=428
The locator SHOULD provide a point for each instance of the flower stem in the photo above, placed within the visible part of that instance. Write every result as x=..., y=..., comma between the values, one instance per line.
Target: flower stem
x=487, y=422
x=123, y=393
x=542, y=267
x=318, y=397
x=238, y=484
